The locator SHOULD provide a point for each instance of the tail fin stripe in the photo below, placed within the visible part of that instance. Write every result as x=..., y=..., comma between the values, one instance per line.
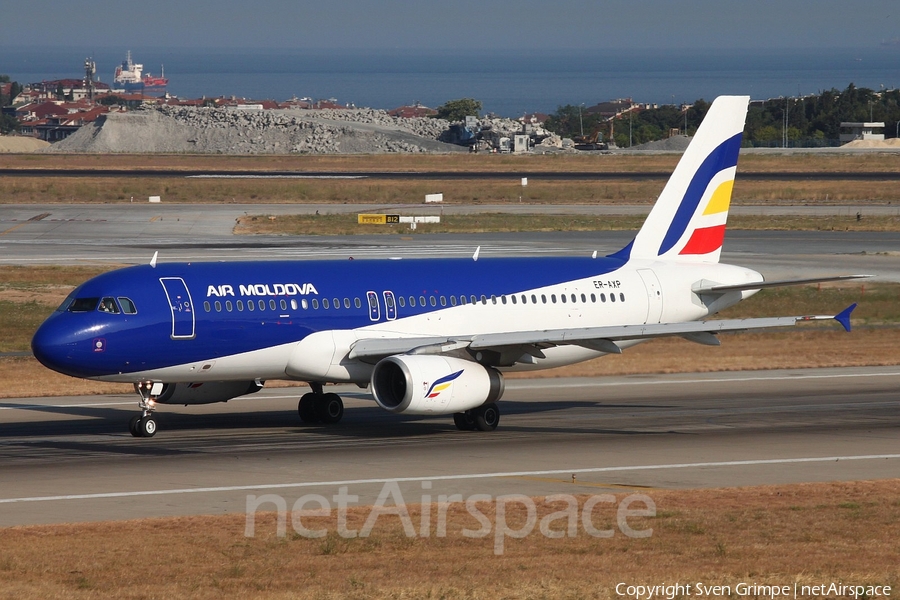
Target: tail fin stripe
x=705, y=240
x=723, y=157
x=721, y=199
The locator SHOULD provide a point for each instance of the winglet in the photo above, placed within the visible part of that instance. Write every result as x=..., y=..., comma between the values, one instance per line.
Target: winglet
x=153, y=260
x=843, y=317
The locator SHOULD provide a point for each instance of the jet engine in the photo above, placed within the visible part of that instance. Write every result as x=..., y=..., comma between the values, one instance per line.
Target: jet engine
x=429, y=384
x=206, y=393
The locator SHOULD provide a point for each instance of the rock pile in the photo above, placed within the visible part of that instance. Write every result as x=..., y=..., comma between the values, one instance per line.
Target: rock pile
x=249, y=131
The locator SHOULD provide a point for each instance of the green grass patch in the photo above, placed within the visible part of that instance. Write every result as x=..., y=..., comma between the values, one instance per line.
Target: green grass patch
x=19, y=321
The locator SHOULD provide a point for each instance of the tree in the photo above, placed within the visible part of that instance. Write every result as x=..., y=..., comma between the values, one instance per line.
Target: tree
x=458, y=110
x=110, y=99
x=8, y=124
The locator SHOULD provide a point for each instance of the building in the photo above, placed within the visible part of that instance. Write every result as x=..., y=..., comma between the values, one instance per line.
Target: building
x=861, y=131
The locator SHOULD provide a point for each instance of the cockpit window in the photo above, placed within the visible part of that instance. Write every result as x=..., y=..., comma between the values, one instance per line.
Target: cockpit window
x=108, y=305
x=127, y=305
x=83, y=304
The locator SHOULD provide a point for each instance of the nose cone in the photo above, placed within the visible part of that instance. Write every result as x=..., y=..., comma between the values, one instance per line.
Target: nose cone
x=55, y=347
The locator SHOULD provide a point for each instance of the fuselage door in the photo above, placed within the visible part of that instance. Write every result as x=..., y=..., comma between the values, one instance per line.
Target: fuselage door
x=390, y=306
x=181, y=306
x=374, y=307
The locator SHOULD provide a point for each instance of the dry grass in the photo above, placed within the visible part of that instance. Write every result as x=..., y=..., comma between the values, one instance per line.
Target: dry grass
x=107, y=190
x=775, y=535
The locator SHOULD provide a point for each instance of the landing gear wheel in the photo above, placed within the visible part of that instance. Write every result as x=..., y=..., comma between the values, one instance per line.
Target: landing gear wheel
x=147, y=426
x=464, y=421
x=487, y=417
x=330, y=408
x=133, y=426
x=307, y=408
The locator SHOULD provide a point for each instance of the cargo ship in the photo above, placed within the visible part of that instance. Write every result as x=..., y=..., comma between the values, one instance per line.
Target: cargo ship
x=128, y=77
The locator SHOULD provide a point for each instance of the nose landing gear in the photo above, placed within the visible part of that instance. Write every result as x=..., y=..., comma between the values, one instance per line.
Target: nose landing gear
x=145, y=425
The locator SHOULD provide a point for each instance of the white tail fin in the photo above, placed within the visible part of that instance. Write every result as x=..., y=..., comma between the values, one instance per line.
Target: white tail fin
x=687, y=223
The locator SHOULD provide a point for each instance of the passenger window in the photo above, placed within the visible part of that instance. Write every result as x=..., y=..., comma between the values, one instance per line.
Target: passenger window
x=228, y=305
x=462, y=299
x=593, y=297
x=337, y=303
x=218, y=306
x=524, y=299
x=612, y=297
x=357, y=302
x=293, y=304
x=562, y=298
x=325, y=303
x=574, y=299
x=412, y=301
x=443, y=301
x=503, y=299
x=271, y=304
x=250, y=305
x=240, y=305
x=262, y=305
x=108, y=305
x=622, y=297
x=483, y=299
x=206, y=306
x=543, y=299
x=304, y=304
x=421, y=300
x=473, y=299
x=453, y=300
x=283, y=304
x=513, y=298
x=128, y=306
x=583, y=299
x=315, y=304
x=433, y=301
x=553, y=298
x=602, y=297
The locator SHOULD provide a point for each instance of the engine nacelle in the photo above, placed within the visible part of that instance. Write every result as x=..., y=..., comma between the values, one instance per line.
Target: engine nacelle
x=429, y=384
x=206, y=393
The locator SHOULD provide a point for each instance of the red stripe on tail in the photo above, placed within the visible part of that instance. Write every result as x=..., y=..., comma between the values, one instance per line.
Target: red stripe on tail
x=705, y=240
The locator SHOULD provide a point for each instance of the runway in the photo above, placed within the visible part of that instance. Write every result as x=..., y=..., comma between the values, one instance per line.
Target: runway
x=72, y=459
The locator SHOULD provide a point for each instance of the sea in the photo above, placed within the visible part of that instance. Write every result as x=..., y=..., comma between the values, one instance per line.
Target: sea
x=509, y=83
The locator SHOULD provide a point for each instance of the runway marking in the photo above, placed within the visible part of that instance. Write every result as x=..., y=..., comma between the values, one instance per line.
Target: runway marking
x=13, y=228
x=35, y=406
x=535, y=384
x=275, y=176
x=308, y=484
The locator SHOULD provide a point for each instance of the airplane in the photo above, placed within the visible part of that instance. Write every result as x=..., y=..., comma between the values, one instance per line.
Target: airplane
x=428, y=336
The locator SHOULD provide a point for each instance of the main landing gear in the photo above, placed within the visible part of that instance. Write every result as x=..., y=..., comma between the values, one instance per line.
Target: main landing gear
x=318, y=407
x=484, y=418
x=145, y=425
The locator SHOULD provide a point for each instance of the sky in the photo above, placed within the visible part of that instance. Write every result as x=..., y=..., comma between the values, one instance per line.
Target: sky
x=472, y=24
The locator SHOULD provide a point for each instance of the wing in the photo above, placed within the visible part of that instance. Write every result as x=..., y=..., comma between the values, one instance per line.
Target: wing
x=512, y=347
